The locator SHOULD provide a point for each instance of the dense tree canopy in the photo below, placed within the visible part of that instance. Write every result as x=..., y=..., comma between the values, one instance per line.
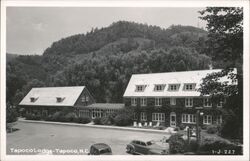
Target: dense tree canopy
x=225, y=46
x=104, y=59
x=225, y=35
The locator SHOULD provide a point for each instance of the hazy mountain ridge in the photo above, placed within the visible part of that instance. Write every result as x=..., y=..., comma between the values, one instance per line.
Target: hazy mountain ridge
x=104, y=59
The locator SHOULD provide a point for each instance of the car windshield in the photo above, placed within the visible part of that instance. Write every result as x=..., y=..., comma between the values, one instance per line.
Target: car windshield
x=149, y=143
x=107, y=150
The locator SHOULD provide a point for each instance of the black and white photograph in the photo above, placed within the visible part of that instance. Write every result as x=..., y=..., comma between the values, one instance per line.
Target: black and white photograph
x=128, y=79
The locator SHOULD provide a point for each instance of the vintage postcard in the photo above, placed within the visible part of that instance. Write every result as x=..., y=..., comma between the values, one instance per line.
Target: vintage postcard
x=125, y=80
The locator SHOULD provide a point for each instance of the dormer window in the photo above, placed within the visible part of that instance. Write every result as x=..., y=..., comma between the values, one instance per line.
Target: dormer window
x=159, y=87
x=189, y=87
x=140, y=88
x=59, y=99
x=33, y=99
x=173, y=87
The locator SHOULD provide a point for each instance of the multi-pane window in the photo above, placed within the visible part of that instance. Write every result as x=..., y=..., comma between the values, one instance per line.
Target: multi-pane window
x=33, y=99
x=207, y=102
x=188, y=118
x=143, y=116
x=219, y=119
x=109, y=112
x=84, y=113
x=158, y=101
x=133, y=102
x=189, y=87
x=159, y=87
x=59, y=99
x=173, y=87
x=207, y=119
x=172, y=101
x=140, y=88
x=85, y=98
x=143, y=101
x=189, y=102
x=220, y=103
x=134, y=116
x=97, y=113
x=158, y=117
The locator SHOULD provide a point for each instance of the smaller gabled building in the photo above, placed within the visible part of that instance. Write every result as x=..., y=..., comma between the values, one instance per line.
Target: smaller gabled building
x=44, y=101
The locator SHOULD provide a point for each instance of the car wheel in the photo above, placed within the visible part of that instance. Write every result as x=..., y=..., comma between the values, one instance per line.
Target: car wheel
x=131, y=150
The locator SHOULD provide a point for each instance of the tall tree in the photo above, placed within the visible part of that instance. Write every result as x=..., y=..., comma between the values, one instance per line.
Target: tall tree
x=225, y=35
x=225, y=46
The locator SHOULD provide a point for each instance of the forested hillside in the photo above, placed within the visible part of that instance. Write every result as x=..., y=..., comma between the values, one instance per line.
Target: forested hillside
x=104, y=59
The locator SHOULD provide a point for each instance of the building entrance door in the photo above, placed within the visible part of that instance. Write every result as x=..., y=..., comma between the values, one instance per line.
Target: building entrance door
x=172, y=119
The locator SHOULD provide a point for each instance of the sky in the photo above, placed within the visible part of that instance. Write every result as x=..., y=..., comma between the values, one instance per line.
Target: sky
x=30, y=30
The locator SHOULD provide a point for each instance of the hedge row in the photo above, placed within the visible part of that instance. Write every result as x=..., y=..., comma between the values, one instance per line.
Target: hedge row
x=58, y=117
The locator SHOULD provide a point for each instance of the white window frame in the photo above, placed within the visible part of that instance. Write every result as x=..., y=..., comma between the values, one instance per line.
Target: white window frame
x=109, y=112
x=189, y=102
x=159, y=117
x=172, y=101
x=206, y=102
x=173, y=87
x=162, y=87
x=143, y=116
x=133, y=101
x=189, y=86
x=140, y=88
x=85, y=98
x=143, y=101
x=220, y=103
x=96, y=113
x=158, y=101
x=134, y=116
x=84, y=113
x=188, y=118
x=219, y=119
x=207, y=119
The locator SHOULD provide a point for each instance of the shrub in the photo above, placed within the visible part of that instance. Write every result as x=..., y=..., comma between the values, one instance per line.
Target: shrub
x=70, y=117
x=192, y=146
x=11, y=114
x=48, y=118
x=97, y=121
x=124, y=117
x=213, y=144
x=122, y=120
x=106, y=120
x=32, y=117
x=84, y=120
x=212, y=129
x=62, y=118
x=29, y=116
x=230, y=128
x=176, y=144
x=55, y=116
x=182, y=126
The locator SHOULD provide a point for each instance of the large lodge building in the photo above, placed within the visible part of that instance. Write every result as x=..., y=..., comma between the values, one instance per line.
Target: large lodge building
x=170, y=99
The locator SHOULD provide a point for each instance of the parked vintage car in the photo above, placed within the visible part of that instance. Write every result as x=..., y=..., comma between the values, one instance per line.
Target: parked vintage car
x=146, y=148
x=100, y=149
